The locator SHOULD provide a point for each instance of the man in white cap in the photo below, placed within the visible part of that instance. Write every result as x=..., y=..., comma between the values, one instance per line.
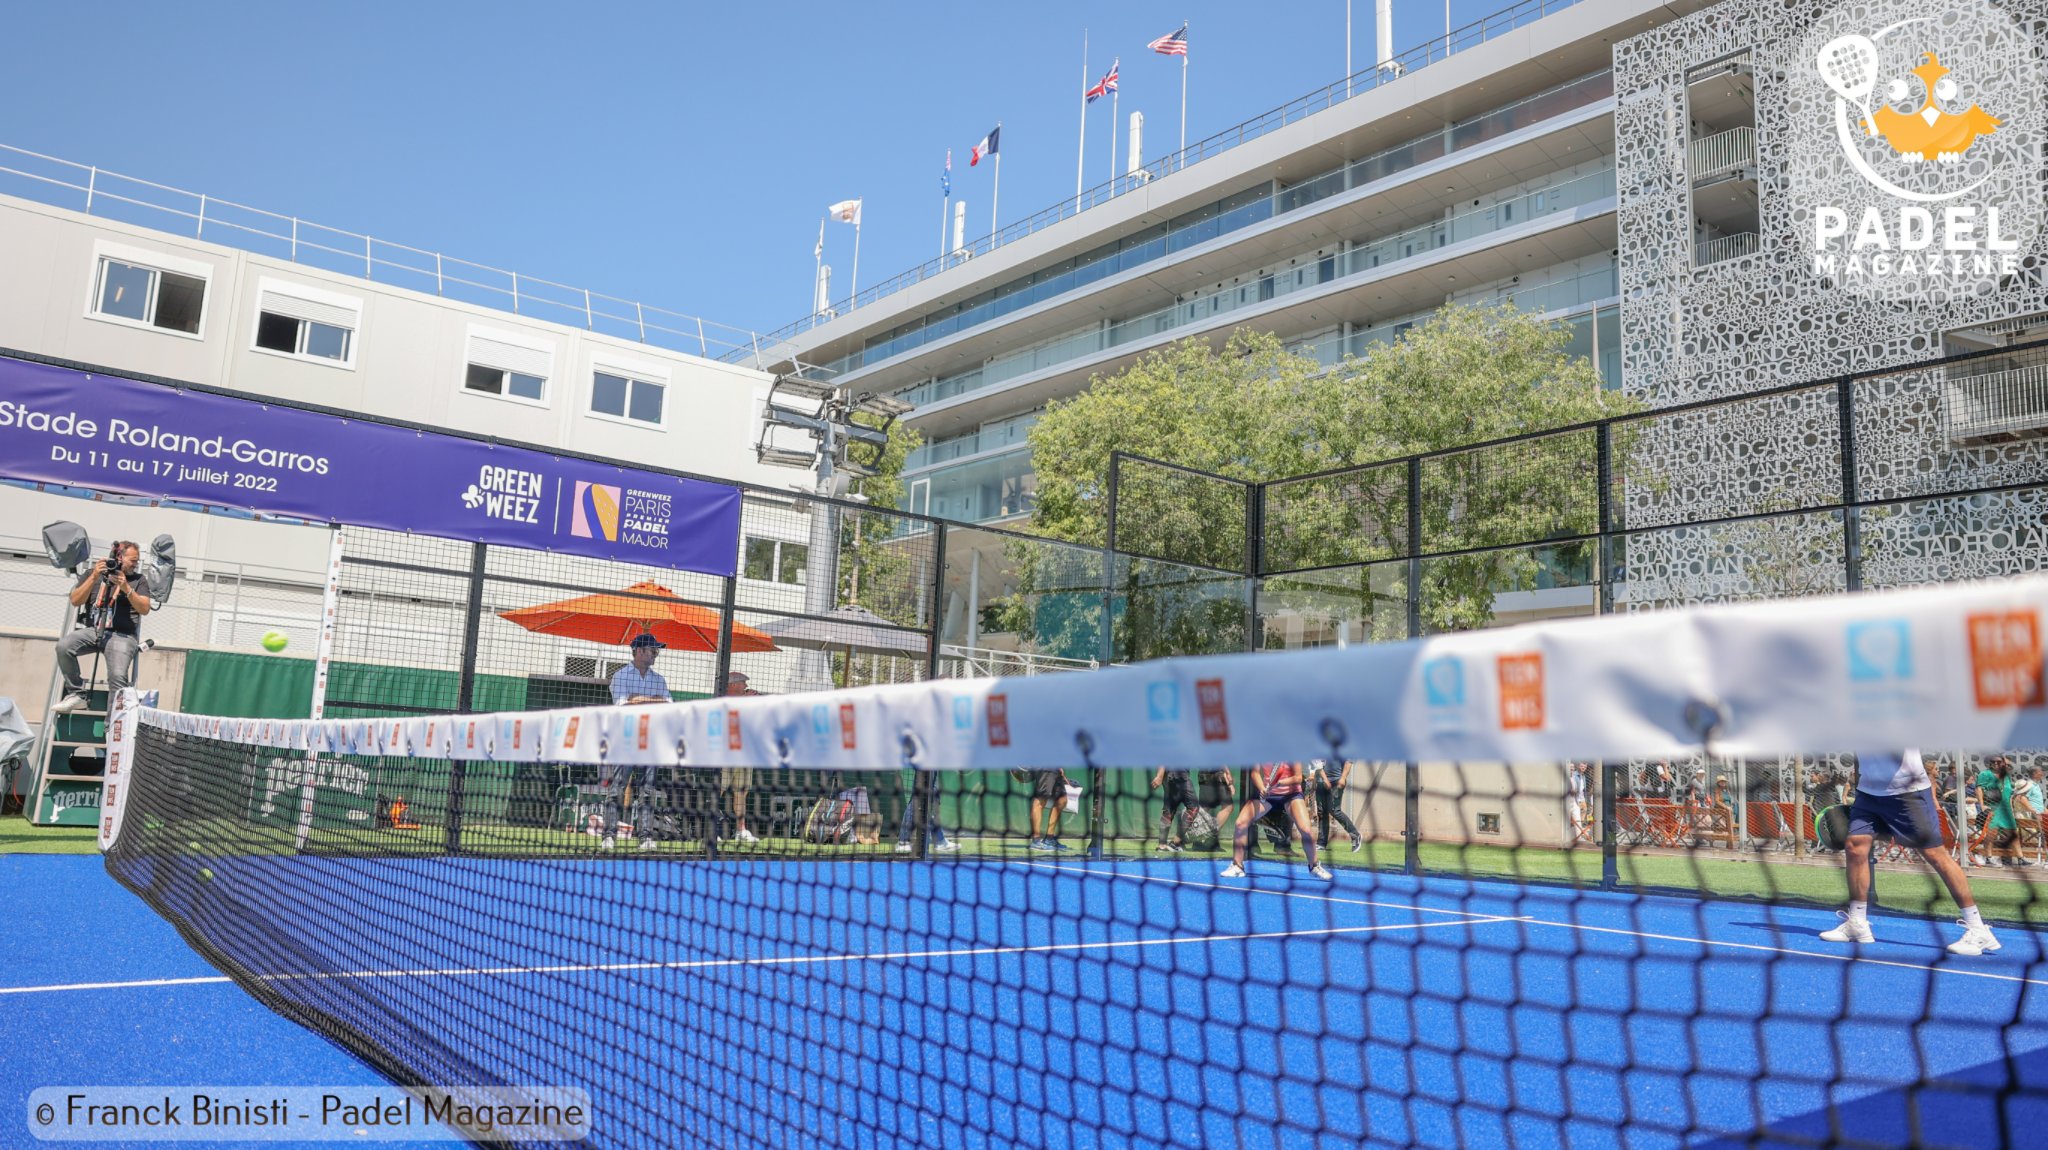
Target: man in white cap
x=634, y=684
x=638, y=681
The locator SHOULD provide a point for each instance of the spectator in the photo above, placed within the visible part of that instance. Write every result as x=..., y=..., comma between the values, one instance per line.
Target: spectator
x=934, y=834
x=1330, y=797
x=1179, y=799
x=2027, y=809
x=635, y=684
x=738, y=781
x=1578, y=799
x=1048, y=799
x=1219, y=794
x=1995, y=791
x=1661, y=784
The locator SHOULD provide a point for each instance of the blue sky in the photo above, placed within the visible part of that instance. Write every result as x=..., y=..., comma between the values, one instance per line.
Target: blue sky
x=676, y=154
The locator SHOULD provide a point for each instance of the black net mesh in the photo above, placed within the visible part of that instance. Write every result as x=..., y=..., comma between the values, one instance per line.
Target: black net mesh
x=1054, y=958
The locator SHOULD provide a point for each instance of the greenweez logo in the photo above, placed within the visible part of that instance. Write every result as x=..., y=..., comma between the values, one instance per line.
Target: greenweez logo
x=1915, y=148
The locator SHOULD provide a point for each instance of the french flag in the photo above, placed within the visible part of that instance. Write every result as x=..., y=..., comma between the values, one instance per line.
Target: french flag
x=987, y=147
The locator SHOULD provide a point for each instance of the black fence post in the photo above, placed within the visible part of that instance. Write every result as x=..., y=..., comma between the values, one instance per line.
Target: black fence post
x=1255, y=565
x=924, y=786
x=1852, y=519
x=465, y=695
x=1411, y=821
x=1610, y=862
x=1604, y=546
x=1108, y=640
x=1411, y=801
x=721, y=665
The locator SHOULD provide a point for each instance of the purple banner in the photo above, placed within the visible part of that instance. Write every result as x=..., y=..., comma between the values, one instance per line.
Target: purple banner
x=118, y=435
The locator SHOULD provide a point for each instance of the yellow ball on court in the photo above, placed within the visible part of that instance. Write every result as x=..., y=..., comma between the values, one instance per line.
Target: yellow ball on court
x=206, y=874
x=275, y=641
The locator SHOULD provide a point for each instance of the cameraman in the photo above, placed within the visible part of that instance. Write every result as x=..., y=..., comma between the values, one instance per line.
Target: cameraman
x=109, y=606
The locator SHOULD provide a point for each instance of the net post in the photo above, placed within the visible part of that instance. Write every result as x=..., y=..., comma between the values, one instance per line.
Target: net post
x=1411, y=820
x=924, y=788
x=1610, y=861
x=1096, y=778
x=465, y=694
x=1852, y=523
x=920, y=806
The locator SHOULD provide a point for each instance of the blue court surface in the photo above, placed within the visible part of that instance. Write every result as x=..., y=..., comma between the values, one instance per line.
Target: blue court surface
x=992, y=1003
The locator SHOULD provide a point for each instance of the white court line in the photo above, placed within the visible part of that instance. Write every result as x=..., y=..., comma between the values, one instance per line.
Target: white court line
x=785, y=960
x=1260, y=890
x=1532, y=920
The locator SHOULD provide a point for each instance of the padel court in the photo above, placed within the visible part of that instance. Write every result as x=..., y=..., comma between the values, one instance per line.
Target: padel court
x=983, y=1002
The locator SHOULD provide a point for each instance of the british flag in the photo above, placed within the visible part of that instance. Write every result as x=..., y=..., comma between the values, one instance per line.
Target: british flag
x=1105, y=86
x=1175, y=44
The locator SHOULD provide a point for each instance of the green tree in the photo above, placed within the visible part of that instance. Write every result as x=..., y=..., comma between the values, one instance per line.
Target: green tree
x=1252, y=411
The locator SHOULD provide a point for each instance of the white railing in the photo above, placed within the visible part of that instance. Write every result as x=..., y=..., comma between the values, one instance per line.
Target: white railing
x=1722, y=248
x=1997, y=405
x=1723, y=151
x=111, y=195
x=961, y=662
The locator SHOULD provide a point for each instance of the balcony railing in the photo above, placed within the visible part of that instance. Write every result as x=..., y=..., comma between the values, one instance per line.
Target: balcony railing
x=1229, y=216
x=1722, y=152
x=1997, y=406
x=1363, y=257
x=99, y=192
x=1723, y=248
x=1517, y=15
x=960, y=662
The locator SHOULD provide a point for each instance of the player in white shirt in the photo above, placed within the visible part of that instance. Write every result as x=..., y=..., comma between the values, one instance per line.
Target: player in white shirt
x=1895, y=798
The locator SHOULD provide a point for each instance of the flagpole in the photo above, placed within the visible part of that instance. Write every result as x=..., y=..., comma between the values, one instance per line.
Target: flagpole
x=945, y=209
x=1183, y=96
x=853, y=286
x=1081, y=160
x=1113, y=97
x=996, y=188
x=818, y=270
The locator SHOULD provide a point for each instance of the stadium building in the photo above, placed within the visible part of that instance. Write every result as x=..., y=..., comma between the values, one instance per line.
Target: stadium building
x=1621, y=166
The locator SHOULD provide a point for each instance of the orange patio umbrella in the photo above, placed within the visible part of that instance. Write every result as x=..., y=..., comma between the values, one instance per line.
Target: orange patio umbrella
x=615, y=617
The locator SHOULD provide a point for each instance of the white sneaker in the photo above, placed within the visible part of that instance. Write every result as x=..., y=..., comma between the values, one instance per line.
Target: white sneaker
x=1851, y=930
x=605, y=843
x=903, y=848
x=746, y=836
x=1322, y=872
x=1235, y=870
x=947, y=847
x=1163, y=848
x=75, y=701
x=646, y=845
x=1976, y=940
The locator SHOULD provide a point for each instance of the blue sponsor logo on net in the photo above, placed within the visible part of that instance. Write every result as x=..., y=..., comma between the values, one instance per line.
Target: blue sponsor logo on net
x=1880, y=651
x=1162, y=702
x=821, y=722
x=714, y=723
x=1443, y=682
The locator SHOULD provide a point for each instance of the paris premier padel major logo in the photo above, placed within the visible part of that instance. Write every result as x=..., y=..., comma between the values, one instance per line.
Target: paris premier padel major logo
x=1915, y=142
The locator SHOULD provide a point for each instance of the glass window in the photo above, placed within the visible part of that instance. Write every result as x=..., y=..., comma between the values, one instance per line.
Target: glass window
x=124, y=290
x=626, y=397
x=488, y=380
x=525, y=386
x=646, y=402
x=162, y=299
x=277, y=333
x=326, y=341
x=791, y=568
x=775, y=561
x=179, y=301
x=608, y=395
x=760, y=561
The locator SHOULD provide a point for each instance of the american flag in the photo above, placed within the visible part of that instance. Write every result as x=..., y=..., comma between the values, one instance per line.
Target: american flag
x=1174, y=44
x=1105, y=86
